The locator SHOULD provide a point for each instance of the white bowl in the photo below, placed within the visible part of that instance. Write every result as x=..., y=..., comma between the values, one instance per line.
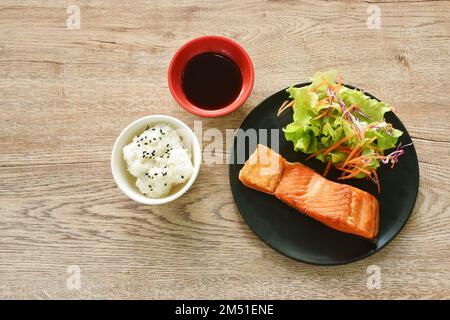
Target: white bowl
x=126, y=182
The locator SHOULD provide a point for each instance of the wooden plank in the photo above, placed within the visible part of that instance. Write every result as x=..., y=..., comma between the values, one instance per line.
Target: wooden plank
x=65, y=95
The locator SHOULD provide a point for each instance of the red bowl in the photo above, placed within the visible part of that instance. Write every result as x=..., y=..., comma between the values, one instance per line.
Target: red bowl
x=220, y=45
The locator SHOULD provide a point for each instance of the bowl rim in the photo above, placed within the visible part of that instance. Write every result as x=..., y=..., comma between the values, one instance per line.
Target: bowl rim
x=222, y=111
x=196, y=154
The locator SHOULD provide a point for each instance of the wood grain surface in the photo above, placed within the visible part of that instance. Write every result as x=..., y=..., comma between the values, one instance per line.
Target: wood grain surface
x=65, y=95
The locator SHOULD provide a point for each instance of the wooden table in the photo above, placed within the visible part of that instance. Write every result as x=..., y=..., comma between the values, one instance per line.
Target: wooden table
x=65, y=95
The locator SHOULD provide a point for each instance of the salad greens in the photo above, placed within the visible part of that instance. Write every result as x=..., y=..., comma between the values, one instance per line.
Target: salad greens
x=342, y=127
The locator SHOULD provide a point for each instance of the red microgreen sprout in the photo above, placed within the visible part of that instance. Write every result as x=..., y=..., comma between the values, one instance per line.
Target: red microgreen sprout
x=346, y=114
x=393, y=156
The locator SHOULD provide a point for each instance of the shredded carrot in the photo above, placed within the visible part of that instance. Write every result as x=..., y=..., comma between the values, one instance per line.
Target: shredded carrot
x=365, y=171
x=345, y=170
x=356, y=171
x=357, y=151
x=354, y=152
x=344, y=149
x=285, y=102
x=322, y=101
x=369, y=157
x=351, y=175
x=338, y=86
x=338, y=143
x=312, y=155
x=321, y=83
x=285, y=105
x=325, y=81
x=321, y=115
x=327, y=169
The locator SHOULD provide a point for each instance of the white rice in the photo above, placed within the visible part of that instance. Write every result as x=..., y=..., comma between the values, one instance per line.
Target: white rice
x=158, y=160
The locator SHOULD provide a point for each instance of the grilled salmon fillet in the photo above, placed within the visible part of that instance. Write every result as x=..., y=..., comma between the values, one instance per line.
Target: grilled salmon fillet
x=263, y=170
x=339, y=206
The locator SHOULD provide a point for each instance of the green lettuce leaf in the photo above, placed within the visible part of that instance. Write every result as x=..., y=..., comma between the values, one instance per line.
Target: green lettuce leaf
x=372, y=108
x=309, y=134
x=385, y=139
x=319, y=77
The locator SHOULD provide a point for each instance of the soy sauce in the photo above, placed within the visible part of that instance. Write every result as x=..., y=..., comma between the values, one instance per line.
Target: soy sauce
x=211, y=81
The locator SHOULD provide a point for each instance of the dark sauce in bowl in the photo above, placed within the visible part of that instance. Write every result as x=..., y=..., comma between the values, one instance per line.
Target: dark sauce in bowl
x=211, y=81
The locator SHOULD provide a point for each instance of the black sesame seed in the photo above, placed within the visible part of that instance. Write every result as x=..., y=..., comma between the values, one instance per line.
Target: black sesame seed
x=156, y=173
x=167, y=145
x=165, y=184
x=182, y=177
x=146, y=143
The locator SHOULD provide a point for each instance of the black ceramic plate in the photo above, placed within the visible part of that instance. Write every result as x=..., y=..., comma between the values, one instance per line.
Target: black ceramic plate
x=302, y=238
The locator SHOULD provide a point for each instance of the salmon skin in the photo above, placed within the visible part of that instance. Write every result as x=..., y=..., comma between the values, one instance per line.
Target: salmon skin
x=339, y=206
